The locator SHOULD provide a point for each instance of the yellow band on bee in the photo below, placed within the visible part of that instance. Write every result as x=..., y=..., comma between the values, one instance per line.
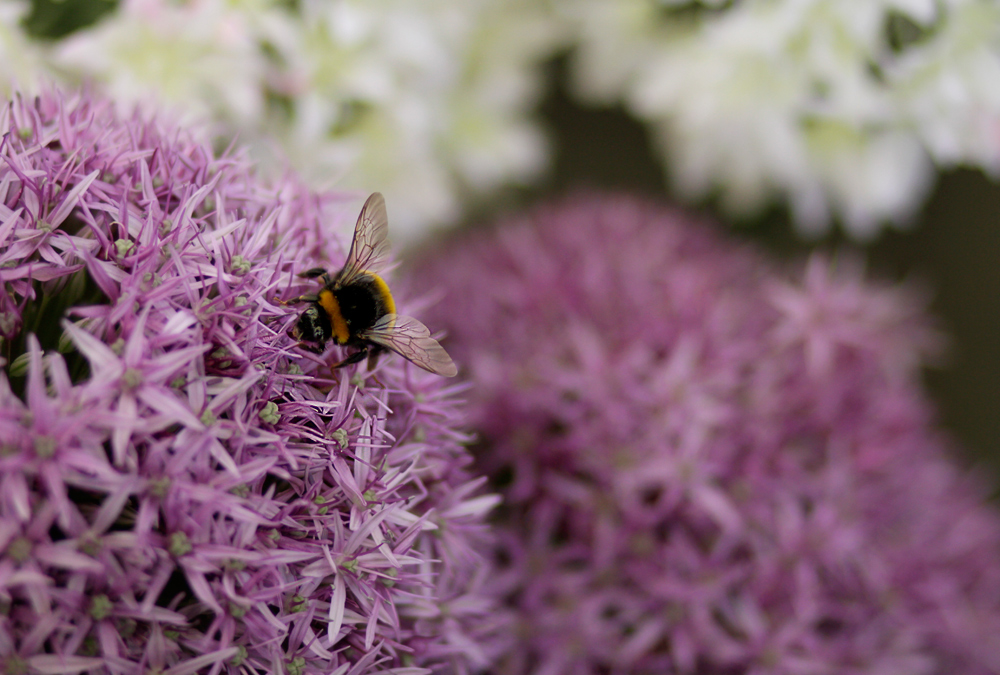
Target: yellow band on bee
x=383, y=290
x=330, y=305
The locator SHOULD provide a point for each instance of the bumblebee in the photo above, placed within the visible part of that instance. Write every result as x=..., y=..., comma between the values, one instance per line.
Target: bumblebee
x=355, y=309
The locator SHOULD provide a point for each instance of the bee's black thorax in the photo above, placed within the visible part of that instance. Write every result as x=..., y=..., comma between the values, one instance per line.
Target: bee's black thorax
x=347, y=310
x=343, y=312
x=363, y=302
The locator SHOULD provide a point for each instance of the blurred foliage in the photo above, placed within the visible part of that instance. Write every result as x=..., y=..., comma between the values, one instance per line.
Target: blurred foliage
x=901, y=31
x=53, y=19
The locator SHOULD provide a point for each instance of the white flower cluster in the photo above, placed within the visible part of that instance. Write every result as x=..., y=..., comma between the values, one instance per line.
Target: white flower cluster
x=425, y=102
x=22, y=62
x=838, y=106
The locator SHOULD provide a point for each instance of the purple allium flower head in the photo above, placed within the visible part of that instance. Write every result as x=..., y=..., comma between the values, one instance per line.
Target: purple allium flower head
x=710, y=465
x=181, y=489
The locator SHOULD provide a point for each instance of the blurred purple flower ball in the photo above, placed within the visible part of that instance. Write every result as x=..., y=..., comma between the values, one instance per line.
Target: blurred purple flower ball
x=181, y=489
x=711, y=465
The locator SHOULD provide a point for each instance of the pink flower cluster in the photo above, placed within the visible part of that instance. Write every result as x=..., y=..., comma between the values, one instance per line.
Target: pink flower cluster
x=711, y=465
x=182, y=490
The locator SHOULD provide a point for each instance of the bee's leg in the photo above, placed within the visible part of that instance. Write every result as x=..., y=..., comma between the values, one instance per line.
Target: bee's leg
x=309, y=347
x=353, y=358
x=373, y=354
x=295, y=301
x=313, y=273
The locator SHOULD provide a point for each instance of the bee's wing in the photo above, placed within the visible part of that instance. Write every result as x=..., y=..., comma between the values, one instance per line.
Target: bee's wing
x=370, y=246
x=410, y=339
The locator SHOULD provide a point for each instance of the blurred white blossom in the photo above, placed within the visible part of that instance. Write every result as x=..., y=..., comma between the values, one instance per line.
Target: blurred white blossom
x=422, y=101
x=204, y=57
x=22, y=61
x=839, y=108
x=842, y=107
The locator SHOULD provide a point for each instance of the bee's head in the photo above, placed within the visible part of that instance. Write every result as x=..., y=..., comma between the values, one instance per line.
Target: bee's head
x=313, y=325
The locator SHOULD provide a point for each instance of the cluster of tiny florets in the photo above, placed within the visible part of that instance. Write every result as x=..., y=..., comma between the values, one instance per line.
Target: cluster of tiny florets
x=710, y=465
x=181, y=489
